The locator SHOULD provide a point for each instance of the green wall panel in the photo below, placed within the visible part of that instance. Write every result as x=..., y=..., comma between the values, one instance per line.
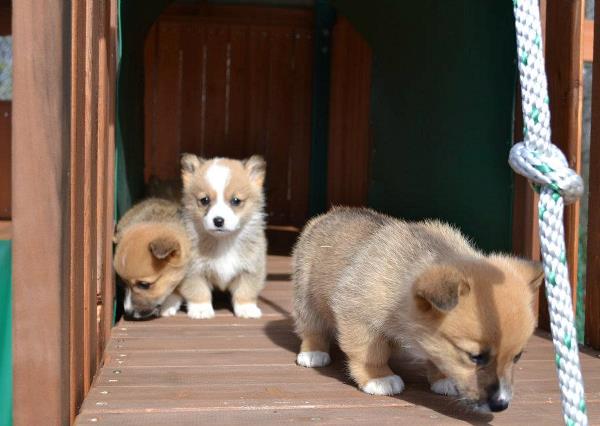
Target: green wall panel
x=5, y=334
x=442, y=111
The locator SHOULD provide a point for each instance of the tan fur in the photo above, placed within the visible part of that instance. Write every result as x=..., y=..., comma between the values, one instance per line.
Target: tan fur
x=235, y=262
x=152, y=247
x=374, y=282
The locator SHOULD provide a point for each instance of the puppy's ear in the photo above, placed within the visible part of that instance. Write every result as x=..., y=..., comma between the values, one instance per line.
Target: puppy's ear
x=190, y=164
x=531, y=271
x=440, y=288
x=165, y=247
x=256, y=168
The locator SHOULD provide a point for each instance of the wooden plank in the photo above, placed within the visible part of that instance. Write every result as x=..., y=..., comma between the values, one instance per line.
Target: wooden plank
x=238, y=89
x=301, y=135
x=5, y=229
x=588, y=40
x=40, y=253
x=592, y=292
x=76, y=222
x=215, y=109
x=564, y=67
x=349, y=111
x=5, y=163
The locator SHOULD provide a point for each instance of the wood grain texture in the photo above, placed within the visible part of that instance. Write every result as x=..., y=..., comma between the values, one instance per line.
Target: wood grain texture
x=40, y=153
x=588, y=40
x=564, y=67
x=349, y=117
x=5, y=159
x=233, y=371
x=232, y=82
x=592, y=291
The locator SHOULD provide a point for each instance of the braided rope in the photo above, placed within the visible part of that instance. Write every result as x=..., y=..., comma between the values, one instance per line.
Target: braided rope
x=545, y=165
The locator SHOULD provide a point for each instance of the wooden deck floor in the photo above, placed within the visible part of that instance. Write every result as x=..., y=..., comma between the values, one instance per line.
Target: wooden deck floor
x=230, y=371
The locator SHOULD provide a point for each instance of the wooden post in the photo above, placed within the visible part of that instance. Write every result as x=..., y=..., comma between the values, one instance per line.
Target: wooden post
x=592, y=294
x=40, y=189
x=564, y=67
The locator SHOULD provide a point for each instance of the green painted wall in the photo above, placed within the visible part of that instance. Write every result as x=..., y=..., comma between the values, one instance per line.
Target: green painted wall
x=5, y=334
x=135, y=19
x=442, y=110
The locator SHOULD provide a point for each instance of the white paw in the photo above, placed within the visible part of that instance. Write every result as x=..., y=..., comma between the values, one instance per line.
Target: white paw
x=169, y=312
x=313, y=359
x=247, y=310
x=171, y=305
x=389, y=385
x=200, y=310
x=444, y=387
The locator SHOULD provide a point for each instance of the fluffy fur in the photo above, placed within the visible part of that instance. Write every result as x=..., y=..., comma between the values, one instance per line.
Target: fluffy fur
x=223, y=212
x=376, y=283
x=152, y=257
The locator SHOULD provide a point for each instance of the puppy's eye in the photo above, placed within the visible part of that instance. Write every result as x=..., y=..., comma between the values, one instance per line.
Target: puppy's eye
x=235, y=201
x=204, y=201
x=143, y=285
x=480, y=359
x=517, y=357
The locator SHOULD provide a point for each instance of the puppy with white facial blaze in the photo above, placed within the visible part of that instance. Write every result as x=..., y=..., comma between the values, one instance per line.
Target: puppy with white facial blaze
x=376, y=283
x=152, y=257
x=223, y=205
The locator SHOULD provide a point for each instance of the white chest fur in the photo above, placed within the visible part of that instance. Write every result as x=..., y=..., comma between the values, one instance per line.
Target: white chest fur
x=224, y=268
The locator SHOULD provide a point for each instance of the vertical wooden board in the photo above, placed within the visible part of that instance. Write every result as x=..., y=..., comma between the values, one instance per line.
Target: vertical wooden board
x=592, y=292
x=5, y=138
x=76, y=202
x=564, y=66
x=108, y=282
x=90, y=189
x=258, y=78
x=167, y=140
x=279, y=123
x=300, y=137
x=40, y=152
x=192, y=44
x=238, y=89
x=216, y=90
x=349, y=129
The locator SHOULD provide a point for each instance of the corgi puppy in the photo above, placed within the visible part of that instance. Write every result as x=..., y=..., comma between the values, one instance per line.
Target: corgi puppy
x=223, y=205
x=152, y=257
x=375, y=283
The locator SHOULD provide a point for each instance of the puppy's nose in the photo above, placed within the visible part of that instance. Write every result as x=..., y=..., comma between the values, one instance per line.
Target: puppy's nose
x=218, y=221
x=498, y=404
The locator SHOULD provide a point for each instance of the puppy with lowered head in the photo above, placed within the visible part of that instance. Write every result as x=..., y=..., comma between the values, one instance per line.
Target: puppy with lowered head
x=152, y=257
x=223, y=206
x=376, y=283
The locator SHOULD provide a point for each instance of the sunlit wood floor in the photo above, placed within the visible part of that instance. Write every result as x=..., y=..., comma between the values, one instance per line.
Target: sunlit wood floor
x=231, y=371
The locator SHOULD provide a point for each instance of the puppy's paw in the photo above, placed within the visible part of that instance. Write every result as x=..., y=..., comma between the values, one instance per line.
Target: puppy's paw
x=389, y=385
x=169, y=312
x=247, y=310
x=200, y=310
x=170, y=306
x=313, y=359
x=444, y=387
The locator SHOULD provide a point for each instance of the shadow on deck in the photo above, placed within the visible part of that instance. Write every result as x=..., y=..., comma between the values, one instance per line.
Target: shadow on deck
x=232, y=371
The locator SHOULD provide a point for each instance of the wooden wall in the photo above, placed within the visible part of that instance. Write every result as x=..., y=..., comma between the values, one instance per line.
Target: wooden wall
x=232, y=82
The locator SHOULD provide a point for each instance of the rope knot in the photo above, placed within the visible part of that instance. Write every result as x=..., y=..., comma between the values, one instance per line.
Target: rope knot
x=548, y=168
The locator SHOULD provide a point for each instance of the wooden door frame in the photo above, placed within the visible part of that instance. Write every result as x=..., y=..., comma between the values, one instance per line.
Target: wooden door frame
x=62, y=186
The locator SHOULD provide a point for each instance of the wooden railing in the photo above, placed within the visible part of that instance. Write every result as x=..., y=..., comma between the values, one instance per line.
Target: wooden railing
x=63, y=145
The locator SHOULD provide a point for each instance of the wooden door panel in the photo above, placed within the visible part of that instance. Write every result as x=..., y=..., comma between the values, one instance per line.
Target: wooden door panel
x=233, y=82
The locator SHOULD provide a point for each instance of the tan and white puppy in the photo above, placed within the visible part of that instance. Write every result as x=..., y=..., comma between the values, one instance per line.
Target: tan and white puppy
x=377, y=283
x=152, y=257
x=223, y=205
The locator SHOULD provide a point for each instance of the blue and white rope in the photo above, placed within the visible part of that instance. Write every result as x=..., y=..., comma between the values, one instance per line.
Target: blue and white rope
x=546, y=166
